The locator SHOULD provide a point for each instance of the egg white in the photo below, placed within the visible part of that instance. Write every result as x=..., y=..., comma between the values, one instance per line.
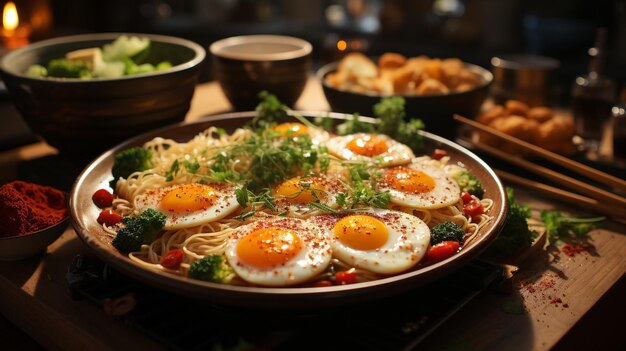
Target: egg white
x=311, y=260
x=445, y=193
x=225, y=204
x=397, y=154
x=406, y=244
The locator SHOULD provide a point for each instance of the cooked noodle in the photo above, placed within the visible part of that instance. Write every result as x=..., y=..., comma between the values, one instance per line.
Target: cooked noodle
x=210, y=238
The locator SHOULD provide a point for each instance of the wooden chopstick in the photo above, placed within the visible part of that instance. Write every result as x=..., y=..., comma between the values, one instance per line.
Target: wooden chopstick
x=574, y=184
x=568, y=163
x=583, y=202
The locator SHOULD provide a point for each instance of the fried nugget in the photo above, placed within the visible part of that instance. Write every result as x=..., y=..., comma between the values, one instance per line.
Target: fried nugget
x=391, y=61
x=493, y=113
x=516, y=107
x=540, y=114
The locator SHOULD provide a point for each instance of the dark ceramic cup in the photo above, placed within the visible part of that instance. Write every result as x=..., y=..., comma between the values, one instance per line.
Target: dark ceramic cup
x=247, y=65
x=82, y=118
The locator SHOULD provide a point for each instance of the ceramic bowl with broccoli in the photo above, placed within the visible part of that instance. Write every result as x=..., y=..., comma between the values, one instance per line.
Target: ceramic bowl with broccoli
x=126, y=55
x=83, y=94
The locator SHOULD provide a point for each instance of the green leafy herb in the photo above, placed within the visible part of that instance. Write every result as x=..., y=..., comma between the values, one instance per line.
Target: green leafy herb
x=408, y=134
x=560, y=227
x=361, y=191
x=254, y=202
x=324, y=122
x=269, y=110
x=391, y=114
x=355, y=125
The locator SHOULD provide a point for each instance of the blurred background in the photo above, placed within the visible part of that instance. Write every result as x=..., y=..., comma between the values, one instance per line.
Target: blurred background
x=473, y=30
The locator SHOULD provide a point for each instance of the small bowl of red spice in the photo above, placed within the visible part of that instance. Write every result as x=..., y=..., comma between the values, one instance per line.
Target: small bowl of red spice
x=33, y=216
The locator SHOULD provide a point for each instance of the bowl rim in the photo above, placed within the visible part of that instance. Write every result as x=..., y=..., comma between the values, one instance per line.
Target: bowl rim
x=305, y=48
x=65, y=221
x=200, y=55
x=484, y=73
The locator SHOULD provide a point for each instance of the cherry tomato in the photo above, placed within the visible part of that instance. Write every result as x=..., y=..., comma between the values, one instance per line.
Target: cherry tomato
x=172, y=259
x=443, y=250
x=102, y=198
x=466, y=197
x=322, y=283
x=109, y=217
x=439, y=153
x=345, y=277
x=474, y=208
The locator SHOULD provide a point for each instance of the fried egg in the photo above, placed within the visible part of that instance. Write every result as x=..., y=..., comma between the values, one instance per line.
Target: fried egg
x=363, y=146
x=278, y=252
x=420, y=186
x=295, y=129
x=296, y=193
x=381, y=241
x=188, y=205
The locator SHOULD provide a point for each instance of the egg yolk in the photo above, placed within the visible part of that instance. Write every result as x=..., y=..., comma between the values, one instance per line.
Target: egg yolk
x=291, y=129
x=368, y=145
x=189, y=198
x=408, y=180
x=294, y=190
x=269, y=247
x=361, y=232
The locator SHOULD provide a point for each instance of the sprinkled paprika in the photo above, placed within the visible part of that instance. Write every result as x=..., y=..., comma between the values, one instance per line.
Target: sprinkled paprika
x=27, y=207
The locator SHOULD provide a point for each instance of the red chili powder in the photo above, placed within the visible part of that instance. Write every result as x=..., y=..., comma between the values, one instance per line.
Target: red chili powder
x=27, y=207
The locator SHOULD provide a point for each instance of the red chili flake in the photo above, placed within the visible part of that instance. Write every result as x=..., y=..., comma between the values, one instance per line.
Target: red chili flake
x=556, y=300
x=572, y=250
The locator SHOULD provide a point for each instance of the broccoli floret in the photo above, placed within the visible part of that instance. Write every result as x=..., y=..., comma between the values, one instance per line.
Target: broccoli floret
x=515, y=234
x=64, y=68
x=124, y=46
x=446, y=231
x=37, y=71
x=131, y=160
x=468, y=182
x=161, y=66
x=139, y=230
x=212, y=268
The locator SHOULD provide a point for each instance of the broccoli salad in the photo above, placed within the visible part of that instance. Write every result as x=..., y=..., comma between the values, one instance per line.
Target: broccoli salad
x=124, y=56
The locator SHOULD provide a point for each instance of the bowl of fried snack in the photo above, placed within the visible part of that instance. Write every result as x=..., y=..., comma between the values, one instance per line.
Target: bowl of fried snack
x=538, y=125
x=434, y=89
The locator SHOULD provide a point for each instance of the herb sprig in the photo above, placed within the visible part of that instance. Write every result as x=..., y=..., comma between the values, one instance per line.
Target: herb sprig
x=560, y=227
x=390, y=120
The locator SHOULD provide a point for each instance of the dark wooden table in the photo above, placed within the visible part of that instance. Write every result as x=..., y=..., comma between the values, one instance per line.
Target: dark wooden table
x=565, y=303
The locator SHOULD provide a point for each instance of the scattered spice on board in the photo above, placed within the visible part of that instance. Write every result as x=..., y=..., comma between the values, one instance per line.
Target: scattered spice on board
x=573, y=249
x=27, y=207
x=545, y=286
